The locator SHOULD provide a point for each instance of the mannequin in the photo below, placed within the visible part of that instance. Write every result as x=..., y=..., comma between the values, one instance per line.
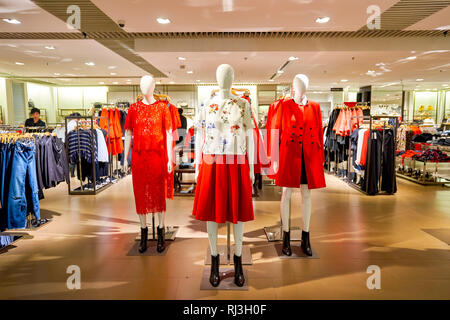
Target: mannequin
x=301, y=148
x=208, y=123
x=147, y=87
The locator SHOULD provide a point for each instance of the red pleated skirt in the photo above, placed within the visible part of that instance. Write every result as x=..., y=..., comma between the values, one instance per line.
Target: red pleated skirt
x=224, y=190
x=149, y=174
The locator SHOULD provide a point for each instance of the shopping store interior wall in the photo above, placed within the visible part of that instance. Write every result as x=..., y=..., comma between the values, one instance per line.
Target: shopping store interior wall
x=64, y=68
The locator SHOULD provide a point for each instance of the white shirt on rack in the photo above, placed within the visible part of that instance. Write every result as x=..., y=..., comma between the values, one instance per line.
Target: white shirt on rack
x=102, y=149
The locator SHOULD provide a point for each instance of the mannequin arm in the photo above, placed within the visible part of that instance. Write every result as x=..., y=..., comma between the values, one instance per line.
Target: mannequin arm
x=251, y=154
x=199, y=141
x=128, y=136
x=169, y=141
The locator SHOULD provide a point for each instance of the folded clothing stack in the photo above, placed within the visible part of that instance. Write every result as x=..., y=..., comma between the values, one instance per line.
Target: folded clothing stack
x=432, y=155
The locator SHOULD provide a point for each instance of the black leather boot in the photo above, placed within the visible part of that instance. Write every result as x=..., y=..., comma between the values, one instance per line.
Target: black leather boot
x=287, y=243
x=214, y=277
x=161, y=243
x=306, y=244
x=144, y=239
x=239, y=279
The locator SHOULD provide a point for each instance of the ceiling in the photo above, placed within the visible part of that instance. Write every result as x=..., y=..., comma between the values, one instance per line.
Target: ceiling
x=326, y=65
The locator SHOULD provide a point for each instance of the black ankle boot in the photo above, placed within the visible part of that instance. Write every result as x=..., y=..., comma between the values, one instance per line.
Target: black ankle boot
x=306, y=244
x=144, y=239
x=239, y=279
x=214, y=277
x=287, y=243
x=161, y=244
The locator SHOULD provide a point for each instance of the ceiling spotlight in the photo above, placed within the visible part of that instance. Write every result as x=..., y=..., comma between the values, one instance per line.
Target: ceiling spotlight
x=190, y=72
x=163, y=20
x=271, y=80
x=57, y=74
x=20, y=63
x=12, y=21
x=411, y=58
x=89, y=64
x=101, y=82
x=49, y=47
x=344, y=80
x=280, y=71
x=113, y=73
x=181, y=58
x=419, y=79
x=292, y=58
x=197, y=80
x=115, y=82
x=323, y=19
x=112, y=67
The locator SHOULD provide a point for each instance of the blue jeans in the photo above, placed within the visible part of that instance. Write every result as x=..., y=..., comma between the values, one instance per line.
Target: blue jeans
x=23, y=186
x=6, y=152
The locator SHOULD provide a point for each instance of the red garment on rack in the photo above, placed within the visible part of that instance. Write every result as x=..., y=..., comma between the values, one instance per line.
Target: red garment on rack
x=176, y=123
x=364, y=148
x=301, y=137
x=149, y=124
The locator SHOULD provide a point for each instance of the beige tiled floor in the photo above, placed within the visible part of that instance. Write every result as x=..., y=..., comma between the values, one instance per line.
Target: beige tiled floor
x=349, y=231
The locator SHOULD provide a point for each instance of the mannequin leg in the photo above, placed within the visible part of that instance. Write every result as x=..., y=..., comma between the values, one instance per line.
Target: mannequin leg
x=238, y=232
x=143, y=220
x=306, y=211
x=285, y=208
x=285, y=214
x=212, y=228
x=144, y=233
x=161, y=217
x=306, y=206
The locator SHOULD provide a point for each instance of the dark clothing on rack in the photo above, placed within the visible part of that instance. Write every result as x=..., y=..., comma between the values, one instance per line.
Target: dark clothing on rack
x=30, y=123
x=424, y=137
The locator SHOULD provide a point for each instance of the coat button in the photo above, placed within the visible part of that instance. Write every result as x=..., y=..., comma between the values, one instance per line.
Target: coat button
x=293, y=127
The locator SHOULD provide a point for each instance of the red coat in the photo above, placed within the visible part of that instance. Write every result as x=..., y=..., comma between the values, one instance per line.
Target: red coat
x=300, y=131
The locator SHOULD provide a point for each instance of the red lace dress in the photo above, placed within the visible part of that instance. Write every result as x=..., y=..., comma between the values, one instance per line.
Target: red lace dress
x=149, y=124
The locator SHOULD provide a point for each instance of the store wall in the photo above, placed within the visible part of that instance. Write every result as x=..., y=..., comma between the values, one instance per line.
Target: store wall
x=19, y=102
x=3, y=101
x=43, y=97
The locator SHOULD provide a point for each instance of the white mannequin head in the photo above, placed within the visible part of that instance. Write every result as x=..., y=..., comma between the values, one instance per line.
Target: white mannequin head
x=147, y=88
x=300, y=85
x=225, y=78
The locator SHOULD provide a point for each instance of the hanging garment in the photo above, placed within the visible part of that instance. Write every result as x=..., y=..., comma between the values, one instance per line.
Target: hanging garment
x=301, y=138
x=176, y=123
x=224, y=191
x=149, y=124
x=272, y=138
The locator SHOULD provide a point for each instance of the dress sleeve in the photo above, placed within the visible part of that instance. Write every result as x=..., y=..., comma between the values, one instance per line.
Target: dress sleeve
x=129, y=121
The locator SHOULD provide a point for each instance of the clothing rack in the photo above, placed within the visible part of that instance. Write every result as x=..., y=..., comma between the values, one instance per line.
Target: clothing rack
x=370, y=120
x=89, y=120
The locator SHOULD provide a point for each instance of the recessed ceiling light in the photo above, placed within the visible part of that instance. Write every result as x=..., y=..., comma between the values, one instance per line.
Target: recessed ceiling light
x=49, y=47
x=323, y=19
x=411, y=58
x=190, y=72
x=344, y=80
x=112, y=67
x=57, y=74
x=292, y=58
x=419, y=79
x=271, y=80
x=197, y=80
x=445, y=85
x=115, y=82
x=20, y=63
x=11, y=45
x=181, y=58
x=443, y=28
x=101, y=82
x=280, y=71
x=163, y=20
x=12, y=21
x=171, y=82
x=89, y=64
x=113, y=73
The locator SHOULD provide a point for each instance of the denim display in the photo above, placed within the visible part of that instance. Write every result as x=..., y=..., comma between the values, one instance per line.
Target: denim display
x=19, y=188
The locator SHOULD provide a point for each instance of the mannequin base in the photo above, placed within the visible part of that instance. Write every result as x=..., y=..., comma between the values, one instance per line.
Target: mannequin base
x=151, y=250
x=275, y=233
x=297, y=252
x=226, y=279
x=222, y=251
x=170, y=234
